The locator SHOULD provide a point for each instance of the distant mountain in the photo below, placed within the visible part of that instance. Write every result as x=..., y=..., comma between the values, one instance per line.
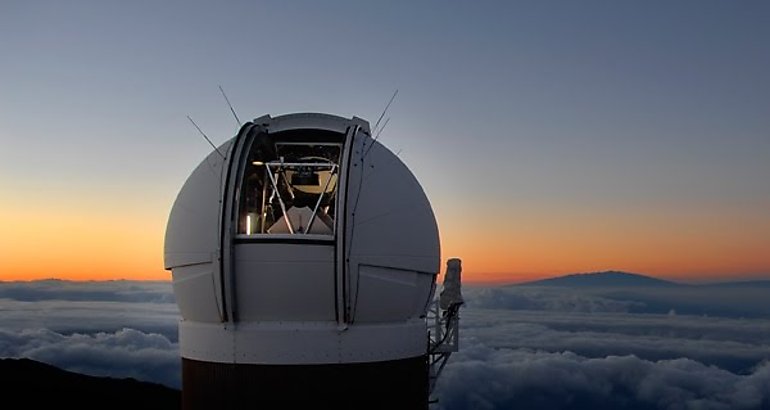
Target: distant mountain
x=32, y=384
x=603, y=279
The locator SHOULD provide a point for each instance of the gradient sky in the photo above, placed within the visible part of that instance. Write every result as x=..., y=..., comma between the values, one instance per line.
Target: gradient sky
x=550, y=136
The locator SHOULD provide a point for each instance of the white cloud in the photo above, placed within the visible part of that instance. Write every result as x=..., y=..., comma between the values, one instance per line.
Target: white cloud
x=481, y=377
x=730, y=301
x=110, y=291
x=520, y=349
x=548, y=299
x=733, y=344
x=89, y=317
x=125, y=353
x=117, y=328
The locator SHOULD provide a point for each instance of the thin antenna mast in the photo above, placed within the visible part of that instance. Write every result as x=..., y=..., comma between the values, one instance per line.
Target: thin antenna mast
x=230, y=105
x=204, y=136
x=384, y=124
x=384, y=111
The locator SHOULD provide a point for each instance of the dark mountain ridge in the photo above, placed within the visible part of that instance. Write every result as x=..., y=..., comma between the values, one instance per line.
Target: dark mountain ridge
x=603, y=279
x=612, y=278
x=32, y=384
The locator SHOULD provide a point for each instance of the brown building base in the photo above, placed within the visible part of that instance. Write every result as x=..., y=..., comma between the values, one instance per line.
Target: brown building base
x=397, y=384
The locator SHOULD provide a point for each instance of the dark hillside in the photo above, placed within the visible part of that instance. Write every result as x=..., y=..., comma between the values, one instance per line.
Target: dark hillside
x=29, y=384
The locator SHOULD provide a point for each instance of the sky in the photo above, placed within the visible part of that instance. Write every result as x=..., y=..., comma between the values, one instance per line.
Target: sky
x=550, y=136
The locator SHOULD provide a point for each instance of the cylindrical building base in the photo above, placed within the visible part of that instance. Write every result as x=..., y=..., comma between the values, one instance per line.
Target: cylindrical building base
x=395, y=384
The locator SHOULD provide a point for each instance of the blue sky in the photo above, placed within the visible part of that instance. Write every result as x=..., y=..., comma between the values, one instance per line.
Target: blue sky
x=546, y=115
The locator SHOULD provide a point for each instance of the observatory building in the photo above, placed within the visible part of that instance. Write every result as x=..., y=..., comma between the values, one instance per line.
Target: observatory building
x=304, y=257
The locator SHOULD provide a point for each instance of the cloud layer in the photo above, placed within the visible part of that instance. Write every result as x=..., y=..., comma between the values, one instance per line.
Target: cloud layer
x=125, y=353
x=108, y=291
x=731, y=300
x=481, y=377
x=116, y=328
x=732, y=344
x=520, y=348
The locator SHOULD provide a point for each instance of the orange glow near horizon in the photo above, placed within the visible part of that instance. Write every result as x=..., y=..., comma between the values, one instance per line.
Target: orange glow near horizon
x=89, y=240
x=708, y=244
x=93, y=240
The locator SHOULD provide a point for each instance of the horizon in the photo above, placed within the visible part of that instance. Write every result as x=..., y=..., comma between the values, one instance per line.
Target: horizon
x=474, y=282
x=549, y=138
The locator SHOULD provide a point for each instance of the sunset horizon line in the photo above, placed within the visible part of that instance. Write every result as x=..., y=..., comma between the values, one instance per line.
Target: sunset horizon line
x=472, y=278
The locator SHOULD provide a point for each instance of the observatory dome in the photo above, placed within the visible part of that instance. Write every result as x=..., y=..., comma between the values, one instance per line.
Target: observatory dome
x=302, y=240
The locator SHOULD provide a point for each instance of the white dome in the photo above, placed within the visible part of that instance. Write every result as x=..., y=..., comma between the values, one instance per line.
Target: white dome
x=309, y=242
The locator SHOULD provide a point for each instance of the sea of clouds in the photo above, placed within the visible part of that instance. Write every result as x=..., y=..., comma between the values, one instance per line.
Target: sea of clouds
x=521, y=347
x=116, y=328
